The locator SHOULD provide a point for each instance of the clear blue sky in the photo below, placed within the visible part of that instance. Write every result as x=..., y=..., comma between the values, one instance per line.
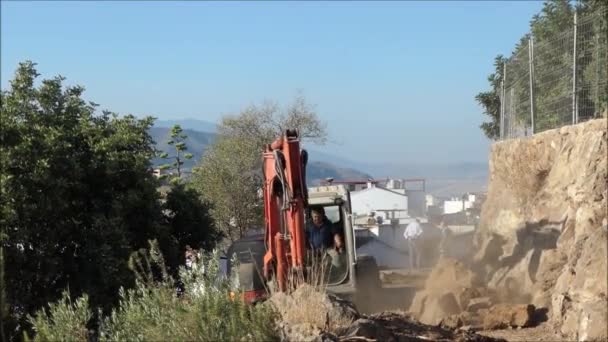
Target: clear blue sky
x=393, y=80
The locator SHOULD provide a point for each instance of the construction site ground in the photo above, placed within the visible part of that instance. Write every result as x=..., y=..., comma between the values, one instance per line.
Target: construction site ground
x=399, y=287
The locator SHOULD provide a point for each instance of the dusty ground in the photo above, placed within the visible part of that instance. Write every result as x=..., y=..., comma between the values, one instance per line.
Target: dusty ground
x=310, y=314
x=394, y=297
x=542, y=333
x=401, y=327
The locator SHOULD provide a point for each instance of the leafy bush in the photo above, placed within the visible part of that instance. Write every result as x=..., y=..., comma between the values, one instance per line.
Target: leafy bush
x=64, y=321
x=154, y=311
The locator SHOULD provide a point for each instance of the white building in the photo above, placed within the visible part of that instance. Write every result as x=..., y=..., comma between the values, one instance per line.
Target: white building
x=456, y=205
x=386, y=203
x=431, y=200
x=385, y=199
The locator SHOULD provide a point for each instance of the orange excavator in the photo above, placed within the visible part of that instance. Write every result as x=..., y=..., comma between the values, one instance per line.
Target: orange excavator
x=285, y=199
x=282, y=249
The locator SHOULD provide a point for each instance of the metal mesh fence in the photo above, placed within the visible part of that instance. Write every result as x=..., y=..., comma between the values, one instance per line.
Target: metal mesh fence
x=559, y=80
x=517, y=94
x=592, y=67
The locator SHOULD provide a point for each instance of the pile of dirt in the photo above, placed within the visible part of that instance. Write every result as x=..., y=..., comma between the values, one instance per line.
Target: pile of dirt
x=447, y=291
x=309, y=314
x=454, y=297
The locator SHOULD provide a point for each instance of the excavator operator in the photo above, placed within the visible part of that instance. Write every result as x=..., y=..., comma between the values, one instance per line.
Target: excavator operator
x=321, y=234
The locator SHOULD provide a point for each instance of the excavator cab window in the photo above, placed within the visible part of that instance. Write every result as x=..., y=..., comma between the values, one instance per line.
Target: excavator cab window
x=335, y=263
x=333, y=213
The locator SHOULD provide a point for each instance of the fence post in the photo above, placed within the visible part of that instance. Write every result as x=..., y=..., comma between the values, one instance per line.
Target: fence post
x=531, y=63
x=504, y=96
x=597, y=75
x=501, y=128
x=511, y=111
x=574, y=63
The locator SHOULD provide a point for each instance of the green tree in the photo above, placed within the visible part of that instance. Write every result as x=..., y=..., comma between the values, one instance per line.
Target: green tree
x=552, y=30
x=3, y=304
x=77, y=194
x=190, y=223
x=178, y=141
x=229, y=177
x=230, y=173
x=490, y=101
x=592, y=58
x=186, y=213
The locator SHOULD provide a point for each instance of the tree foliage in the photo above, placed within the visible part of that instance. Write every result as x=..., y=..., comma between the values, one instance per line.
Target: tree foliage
x=230, y=173
x=264, y=123
x=229, y=177
x=553, y=53
x=490, y=101
x=78, y=196
x=189, y=221
x=178, y=141
x=78, y=192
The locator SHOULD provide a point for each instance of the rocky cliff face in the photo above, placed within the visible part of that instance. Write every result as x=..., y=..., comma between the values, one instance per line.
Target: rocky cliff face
x=543, y=233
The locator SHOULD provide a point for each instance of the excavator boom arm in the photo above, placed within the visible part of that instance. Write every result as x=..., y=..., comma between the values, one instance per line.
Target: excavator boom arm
x=285, y=197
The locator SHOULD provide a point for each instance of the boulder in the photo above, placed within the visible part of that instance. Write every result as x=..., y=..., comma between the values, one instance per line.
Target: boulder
x=502, y=316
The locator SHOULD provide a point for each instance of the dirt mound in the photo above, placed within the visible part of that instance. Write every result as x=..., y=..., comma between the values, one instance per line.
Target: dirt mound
x=454, y=298
x=309, y=314
x=448, y=290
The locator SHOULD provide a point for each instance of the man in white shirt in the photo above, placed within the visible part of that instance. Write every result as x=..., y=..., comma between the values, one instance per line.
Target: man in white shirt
x=445, y=235
x=412, y=233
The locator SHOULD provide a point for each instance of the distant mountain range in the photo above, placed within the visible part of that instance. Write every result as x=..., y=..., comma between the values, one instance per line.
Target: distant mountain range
x=198, y=141
x=442, y=179
x=193, y=124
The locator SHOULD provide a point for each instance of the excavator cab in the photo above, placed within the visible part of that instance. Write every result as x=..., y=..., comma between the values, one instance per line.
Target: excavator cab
x=351, y=275
x=332, y=262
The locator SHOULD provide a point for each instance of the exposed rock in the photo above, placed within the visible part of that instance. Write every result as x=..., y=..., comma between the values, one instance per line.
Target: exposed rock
x=579, y=302
x=503, y=315
x=542, y=233
x=471, y=320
